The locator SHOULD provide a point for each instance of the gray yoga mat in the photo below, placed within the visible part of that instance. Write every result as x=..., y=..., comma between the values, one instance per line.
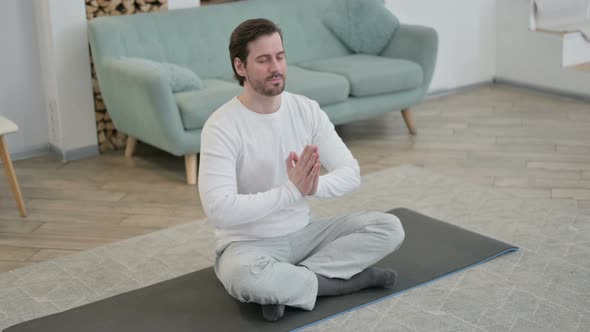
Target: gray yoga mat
x=198, y=302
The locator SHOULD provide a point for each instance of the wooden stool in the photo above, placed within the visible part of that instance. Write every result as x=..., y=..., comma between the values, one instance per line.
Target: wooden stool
x=7, y=127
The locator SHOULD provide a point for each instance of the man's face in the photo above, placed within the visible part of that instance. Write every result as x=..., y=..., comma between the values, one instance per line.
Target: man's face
x=266, y=66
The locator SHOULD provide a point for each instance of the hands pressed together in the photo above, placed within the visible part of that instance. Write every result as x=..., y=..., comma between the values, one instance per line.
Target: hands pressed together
x=304, y=170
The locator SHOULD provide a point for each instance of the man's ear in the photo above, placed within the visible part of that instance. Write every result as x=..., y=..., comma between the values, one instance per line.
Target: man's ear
x=240, y=67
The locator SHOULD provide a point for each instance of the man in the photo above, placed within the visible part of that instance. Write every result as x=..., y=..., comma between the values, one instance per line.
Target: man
x=260, y=158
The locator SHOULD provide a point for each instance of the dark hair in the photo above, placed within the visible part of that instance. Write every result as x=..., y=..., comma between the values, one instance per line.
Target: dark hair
x=243, y=34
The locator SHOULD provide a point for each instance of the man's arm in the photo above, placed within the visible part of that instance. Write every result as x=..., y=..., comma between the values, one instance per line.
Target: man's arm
x=218, y=183
x=343, y=169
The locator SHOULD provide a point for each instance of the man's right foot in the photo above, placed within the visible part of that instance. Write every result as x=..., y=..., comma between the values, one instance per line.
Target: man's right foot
x=273, y=312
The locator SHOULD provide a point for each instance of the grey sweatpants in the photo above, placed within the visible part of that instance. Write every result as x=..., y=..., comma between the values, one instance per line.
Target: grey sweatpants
x=279, y=270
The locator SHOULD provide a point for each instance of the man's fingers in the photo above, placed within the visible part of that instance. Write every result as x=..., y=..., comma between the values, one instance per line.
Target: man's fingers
x=289, y=160
x=305, y=154
x=292, y=160
x=311, y=154
x=310, y=163
x=305, y=162
x=311, y=177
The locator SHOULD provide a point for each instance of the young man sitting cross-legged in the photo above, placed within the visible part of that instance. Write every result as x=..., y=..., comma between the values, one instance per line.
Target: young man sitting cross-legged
x=261, y=155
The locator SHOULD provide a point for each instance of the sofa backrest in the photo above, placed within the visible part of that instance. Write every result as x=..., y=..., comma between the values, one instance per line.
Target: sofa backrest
x=198, y=38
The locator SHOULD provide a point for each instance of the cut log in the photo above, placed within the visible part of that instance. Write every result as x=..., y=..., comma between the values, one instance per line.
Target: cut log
x=95, y=86
x=99, y=105
x=101, y=126
x=91, y=9
x=99, y=116
x=103, y=147
x=129, y=7
x=112, y=5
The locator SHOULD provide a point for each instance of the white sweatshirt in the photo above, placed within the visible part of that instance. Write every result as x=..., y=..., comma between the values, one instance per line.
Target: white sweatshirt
x=243, y=182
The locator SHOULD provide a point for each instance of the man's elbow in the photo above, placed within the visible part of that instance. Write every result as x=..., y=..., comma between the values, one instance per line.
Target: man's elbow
x=221, y=220
x=220, y=213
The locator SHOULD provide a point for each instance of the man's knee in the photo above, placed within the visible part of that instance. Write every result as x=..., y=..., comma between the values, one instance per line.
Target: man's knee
x=392, y=229
x=249, y=282
x=397, y=231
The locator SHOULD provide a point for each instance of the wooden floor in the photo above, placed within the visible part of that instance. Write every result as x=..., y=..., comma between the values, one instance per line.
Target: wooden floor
x=516, y=140
x=582, y=66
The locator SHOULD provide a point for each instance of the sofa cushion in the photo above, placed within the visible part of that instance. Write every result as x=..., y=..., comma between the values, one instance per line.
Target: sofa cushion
x=196, y=106
x=371, y=75
x=365, y=26
x=181, y=78
x=325, y=88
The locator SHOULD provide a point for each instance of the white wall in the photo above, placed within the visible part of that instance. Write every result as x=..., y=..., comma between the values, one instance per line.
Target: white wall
x=467, y=37
x=21, y=89
x=178, y=4
x=532, y=58
x=66, y=73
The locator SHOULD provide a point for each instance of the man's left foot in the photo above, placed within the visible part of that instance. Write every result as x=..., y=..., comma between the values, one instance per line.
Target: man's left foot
x=368, y=278
x=385, y=278
x=273, y=312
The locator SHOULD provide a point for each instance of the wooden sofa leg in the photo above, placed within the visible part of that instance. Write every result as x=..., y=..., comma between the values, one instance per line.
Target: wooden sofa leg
x=130, y=148
x=190, y=164
x=407, y=114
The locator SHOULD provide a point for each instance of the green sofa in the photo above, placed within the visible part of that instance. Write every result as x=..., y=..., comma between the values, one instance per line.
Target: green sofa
x=347, y=84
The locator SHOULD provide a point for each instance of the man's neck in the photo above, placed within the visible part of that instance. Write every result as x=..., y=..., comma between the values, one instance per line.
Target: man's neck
x=259, y=103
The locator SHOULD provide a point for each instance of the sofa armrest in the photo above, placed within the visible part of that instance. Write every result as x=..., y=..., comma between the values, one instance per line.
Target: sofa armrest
x=141, y=103
x=418, y=44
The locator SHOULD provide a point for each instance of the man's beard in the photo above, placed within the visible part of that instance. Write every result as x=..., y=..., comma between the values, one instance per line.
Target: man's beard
x=275, y=90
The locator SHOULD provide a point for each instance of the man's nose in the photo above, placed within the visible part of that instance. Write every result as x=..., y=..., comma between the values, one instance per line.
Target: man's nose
x=274, y=65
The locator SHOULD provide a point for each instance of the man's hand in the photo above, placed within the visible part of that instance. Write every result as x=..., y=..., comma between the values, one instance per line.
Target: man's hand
x=316, y=180
x=304, y=170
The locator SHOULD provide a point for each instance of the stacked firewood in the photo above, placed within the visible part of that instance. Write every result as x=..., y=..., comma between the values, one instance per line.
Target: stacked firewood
x=108, y=136
x=96, y=8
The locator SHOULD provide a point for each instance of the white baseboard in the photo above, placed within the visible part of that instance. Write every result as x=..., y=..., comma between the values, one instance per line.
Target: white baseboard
x=510, y=82
x=576, y=49
x=74, y=154
x=452, y=91
x=542, y=89
x=52, y=150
